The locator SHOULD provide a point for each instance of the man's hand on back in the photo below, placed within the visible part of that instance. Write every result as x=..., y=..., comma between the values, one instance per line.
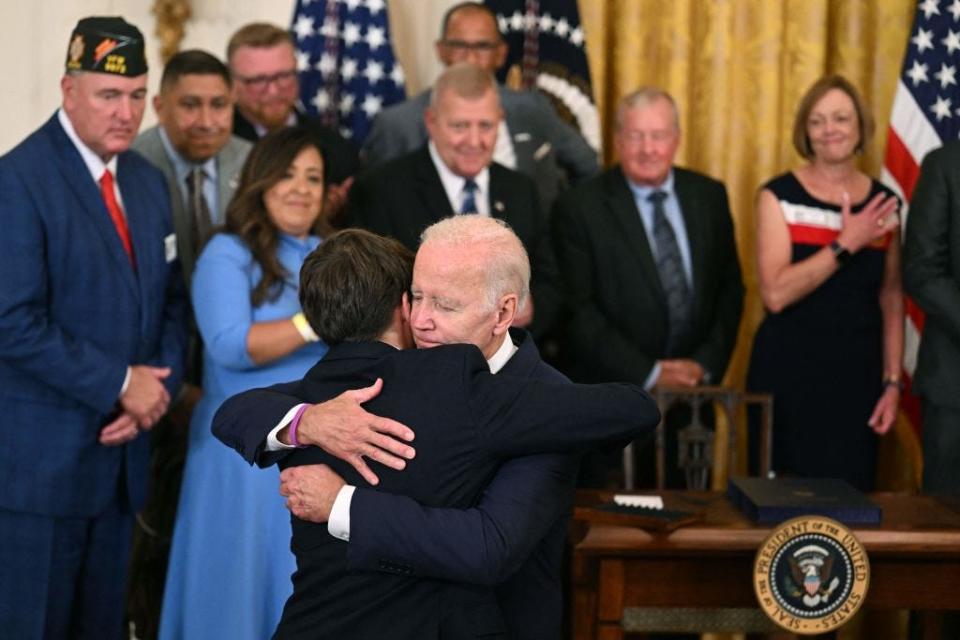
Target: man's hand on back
x=342, y=428
x=310, y=491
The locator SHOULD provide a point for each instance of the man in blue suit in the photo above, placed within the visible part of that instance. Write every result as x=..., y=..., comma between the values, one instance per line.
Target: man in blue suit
x=91, y=342
x=514, y=537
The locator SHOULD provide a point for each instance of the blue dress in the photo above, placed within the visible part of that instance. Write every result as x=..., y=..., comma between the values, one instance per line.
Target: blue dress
x=230, y=562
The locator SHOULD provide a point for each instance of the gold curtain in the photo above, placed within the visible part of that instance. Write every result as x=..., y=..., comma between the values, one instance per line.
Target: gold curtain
x=737, y=69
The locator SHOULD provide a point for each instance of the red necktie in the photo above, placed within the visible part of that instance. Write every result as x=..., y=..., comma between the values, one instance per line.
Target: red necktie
x=116, y=214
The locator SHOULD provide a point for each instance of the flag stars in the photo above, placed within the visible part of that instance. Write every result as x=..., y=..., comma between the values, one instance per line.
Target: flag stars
x=303, y=61
x=929, y=8
x=327, y=65
x=396, y=74
x=330, y=28
x=374, y=72
x=546, y=22
x=351, y=33
x=954, y=8
x=562, y=28
x=941, y=108
x=321, y=100
x=576, y=37
x=346, y=104
x=952, y=41
x=946, y=75
x=505, y=26
x=376, y=38
x=918, y=73
x=352, y=4
x=375, y=6
x=517, y=21
x=303, y=27
x=372, y=105
x=348, y=69
x=923, y=40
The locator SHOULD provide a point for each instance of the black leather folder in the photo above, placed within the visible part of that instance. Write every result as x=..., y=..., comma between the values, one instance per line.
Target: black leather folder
x=771, y=501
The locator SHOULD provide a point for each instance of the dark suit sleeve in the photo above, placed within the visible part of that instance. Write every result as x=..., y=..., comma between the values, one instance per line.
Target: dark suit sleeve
x=521, y=416
x=577, y=158
x=483, y=545
x=593, y=338
x=714, y=351
x=927, y=254
x=546, y=285
x=365, y=208
x=244, y=420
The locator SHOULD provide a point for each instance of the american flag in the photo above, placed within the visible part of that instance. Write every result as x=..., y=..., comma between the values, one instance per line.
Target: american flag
x=347, y=69
x=549, y=49
x=926, y=112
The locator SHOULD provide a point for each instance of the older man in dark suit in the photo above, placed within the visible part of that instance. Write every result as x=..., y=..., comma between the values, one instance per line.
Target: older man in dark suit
x=464, y=419
x=455, y=174
x=650, y=261
x=92, y=332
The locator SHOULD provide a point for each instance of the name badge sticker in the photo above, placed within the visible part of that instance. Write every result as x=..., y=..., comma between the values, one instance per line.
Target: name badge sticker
x=170, y=247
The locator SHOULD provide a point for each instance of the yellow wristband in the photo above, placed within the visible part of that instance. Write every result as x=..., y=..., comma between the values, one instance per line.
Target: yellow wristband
x=303, y=328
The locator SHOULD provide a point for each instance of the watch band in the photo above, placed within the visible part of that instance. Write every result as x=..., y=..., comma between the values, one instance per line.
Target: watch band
x=840, y=253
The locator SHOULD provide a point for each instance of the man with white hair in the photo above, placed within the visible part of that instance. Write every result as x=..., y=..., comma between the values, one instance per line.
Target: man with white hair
x=469, y=279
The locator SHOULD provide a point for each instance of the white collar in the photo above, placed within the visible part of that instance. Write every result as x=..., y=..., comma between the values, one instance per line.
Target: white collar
x=503, y=354
x=453, y=184
x=95, y=164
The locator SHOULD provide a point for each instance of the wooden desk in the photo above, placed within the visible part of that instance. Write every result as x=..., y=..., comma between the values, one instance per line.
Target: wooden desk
x=914, y=561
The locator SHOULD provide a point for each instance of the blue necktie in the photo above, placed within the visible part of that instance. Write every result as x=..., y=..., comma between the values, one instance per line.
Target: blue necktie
x=672, y=275
x=469, y=203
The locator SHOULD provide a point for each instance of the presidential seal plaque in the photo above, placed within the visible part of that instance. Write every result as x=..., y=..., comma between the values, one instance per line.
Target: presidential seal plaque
x=811, y=575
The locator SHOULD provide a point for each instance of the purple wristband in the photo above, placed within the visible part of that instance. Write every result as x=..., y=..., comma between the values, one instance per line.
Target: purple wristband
x=296, y=423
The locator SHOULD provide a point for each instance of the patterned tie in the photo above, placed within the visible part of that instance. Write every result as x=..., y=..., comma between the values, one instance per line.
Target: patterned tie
x=116, y=214
x=200, y=221
x=672, y=276
x=469, y=204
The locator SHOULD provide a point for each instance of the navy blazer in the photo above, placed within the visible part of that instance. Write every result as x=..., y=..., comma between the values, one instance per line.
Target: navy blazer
x=403, y=197
x=513, y=539
x=430, y=390
x=73, y=315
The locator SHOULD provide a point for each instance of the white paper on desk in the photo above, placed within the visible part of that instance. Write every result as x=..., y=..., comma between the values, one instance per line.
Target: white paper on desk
x=647, y=502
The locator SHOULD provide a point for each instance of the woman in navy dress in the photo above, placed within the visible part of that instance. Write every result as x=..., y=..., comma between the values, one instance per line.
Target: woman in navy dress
x=230, y=563
x=828, y=261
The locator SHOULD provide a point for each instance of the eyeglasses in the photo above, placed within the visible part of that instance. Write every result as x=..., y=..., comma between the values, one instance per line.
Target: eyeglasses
x=260, y=83
x=462, y=46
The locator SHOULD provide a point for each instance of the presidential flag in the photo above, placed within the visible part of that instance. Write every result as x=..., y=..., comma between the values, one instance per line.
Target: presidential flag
x=548, y=53
x=926, y=112
x=347, y=69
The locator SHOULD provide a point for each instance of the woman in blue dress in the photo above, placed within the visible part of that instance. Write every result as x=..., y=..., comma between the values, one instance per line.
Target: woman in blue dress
x=230, y=563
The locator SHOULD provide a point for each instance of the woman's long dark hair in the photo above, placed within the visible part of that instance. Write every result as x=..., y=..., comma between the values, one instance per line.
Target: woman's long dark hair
x=246, y=214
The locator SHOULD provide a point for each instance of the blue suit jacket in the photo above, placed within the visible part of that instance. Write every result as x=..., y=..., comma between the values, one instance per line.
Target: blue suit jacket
x=73, y=315
x=525, y=506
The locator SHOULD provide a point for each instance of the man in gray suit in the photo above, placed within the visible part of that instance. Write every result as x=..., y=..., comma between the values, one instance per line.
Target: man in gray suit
x=201, y=160
x=931, y=275
x=193, y=146
x=532, y=138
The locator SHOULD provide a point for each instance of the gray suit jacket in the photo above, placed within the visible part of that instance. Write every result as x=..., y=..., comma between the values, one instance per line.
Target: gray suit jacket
x=546, y=147
x=229, y=162
x=931, y=274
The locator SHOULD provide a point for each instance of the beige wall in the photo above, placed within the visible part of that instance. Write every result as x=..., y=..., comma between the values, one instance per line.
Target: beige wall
x=36, y=34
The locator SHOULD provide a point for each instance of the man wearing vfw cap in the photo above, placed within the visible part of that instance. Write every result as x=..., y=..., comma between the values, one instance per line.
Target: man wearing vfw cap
x=91, y=342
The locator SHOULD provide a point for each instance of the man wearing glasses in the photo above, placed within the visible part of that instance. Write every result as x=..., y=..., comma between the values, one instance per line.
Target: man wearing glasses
x=265, y=87
x=532, y=138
